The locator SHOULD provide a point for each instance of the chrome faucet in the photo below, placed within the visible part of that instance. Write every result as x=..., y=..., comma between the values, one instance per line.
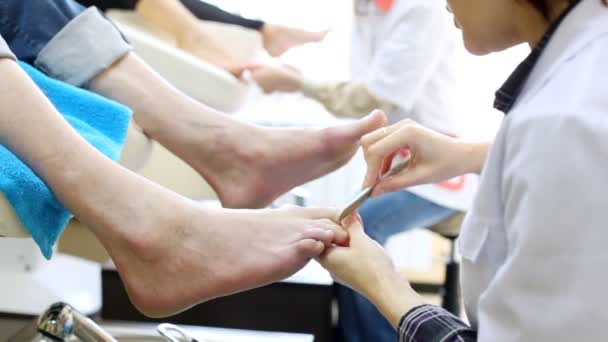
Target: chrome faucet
x=61, y=322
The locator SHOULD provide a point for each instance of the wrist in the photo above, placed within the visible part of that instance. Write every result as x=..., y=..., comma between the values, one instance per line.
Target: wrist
x=394, y=298
x=470, y=157
x=297, y=82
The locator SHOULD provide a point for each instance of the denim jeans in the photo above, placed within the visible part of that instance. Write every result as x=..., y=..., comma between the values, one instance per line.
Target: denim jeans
x=383, y=217
x=28, y=25
x=61, y=38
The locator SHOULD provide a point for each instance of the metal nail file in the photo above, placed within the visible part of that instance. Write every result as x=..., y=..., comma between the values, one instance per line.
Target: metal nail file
x=353, y=205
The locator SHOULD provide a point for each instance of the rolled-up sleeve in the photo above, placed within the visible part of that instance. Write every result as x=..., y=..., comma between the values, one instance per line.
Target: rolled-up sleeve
x=347, y=99
x=85, y=47
x=5, y=52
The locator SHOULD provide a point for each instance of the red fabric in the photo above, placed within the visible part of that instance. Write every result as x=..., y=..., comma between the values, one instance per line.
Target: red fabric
x=384, y=5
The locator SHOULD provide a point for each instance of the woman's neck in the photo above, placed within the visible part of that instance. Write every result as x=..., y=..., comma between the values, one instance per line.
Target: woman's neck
x=534, y=24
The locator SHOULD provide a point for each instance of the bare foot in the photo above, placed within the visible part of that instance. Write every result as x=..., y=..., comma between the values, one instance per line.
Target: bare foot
x=249, y=167
x=278, y=39
x=180, y=255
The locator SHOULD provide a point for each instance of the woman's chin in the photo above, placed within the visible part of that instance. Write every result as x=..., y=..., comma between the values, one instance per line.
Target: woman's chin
x=475, y=49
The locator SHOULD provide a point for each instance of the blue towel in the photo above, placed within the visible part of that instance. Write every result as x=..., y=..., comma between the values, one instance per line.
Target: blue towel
x=103, y=123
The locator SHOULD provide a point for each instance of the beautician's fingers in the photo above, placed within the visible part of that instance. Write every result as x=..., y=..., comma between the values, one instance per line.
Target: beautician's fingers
x=376, y=154
x=371, y=138
x=353, y=222
x=413, y=176
x=330, y=257
x=435, y=157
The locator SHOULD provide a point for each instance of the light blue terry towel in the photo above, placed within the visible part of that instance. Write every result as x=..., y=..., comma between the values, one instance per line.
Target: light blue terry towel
x=102, y=122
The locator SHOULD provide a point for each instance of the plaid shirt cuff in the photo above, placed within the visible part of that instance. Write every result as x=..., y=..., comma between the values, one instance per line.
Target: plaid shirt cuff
x=429, y=323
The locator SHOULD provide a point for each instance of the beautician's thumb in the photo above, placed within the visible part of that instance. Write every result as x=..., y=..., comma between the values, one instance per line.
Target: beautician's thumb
x=397, y=183
x=353, y=223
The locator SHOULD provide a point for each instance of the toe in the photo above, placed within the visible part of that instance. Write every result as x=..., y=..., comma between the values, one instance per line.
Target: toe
x=326, y=236
x=340, y=235
x=308, y=249
x=353, y=132
x=321, y=213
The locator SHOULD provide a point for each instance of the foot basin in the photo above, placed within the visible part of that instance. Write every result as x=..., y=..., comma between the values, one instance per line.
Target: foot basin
x=125, y=332
x=60, y=322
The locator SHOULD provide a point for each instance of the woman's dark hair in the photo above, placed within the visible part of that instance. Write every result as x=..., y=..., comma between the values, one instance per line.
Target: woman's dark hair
x=544, y=5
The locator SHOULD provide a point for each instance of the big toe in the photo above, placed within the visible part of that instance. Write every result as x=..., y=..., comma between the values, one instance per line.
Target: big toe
x=354, y=131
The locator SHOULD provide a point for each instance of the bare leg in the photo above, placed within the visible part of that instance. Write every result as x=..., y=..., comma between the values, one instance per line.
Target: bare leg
x=247, y=166
x=202, y=44
x=189, y=32
x=170, y=253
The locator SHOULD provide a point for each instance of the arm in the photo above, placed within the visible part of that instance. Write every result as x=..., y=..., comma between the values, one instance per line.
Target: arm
x=348, y=99
x=437, y=157
x=365, y=267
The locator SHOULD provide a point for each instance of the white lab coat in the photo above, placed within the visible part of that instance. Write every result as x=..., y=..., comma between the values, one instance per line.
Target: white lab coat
x=407, y=56
x=535, y=243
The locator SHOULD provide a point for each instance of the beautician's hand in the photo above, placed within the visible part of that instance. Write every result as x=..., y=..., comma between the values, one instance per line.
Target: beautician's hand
x=436, y=156
x=363, y=265
x=273, y=78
